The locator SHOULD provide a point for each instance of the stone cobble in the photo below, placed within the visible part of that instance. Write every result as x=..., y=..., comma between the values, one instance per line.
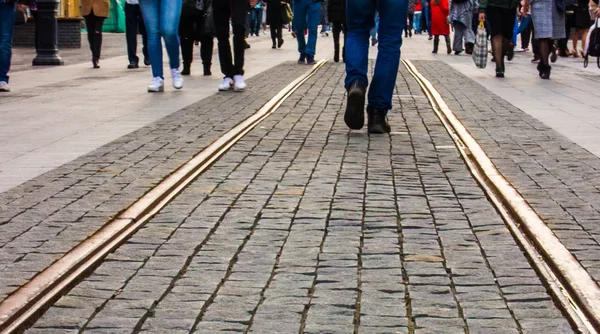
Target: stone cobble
x=558, y=178
x=43, y=218
x=304, y=226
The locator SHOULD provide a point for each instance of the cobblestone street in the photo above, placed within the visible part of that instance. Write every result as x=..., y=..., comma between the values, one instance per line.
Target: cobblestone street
x=304, y=226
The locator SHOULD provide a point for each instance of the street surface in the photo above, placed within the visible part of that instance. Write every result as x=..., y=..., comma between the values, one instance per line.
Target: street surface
x=303, y=226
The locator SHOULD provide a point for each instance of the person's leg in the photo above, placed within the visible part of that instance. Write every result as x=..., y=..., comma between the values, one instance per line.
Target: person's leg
x=187, y=38
x=584, y=34
x=258, y=21
x=544, y=68
x=386, y=65
x=459, y=34
x=299, y=25
x=360, y=16
x=142, y=30
x=436, y=43
x=448, y=46
x=131, y=29
x=151, y=11
x=222, y=14
x=417, y=22
x=7, y=19
x=89, y=24
x=206, y=52
x=253, y=20
x=169, y=24
x=312, y=19
x=497, y=52
x=98, y=36
x=336, y=30
x=526, y=35
x=238, y=10
x=274, y=35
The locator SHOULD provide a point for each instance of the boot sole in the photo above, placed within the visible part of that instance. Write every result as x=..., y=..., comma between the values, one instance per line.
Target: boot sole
x=379, y=129
x=355, y=111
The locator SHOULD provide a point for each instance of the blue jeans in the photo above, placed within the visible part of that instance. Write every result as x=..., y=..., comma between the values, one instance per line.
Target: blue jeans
x=256, y=20
x=360, y=20
x=375, y=28
x=7, y=22
x=307, y=14
x=417, y=22
x=162, y=20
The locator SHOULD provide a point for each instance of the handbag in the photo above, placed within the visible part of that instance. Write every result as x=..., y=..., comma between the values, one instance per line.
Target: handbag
x=287, y=16
x=480, y=50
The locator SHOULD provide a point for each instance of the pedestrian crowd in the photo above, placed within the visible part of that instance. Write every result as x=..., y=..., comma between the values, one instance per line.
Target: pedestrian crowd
x=182, y=24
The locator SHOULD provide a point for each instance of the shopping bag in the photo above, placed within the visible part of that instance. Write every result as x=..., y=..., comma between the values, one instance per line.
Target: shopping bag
x=286, y=14
x=480, y=50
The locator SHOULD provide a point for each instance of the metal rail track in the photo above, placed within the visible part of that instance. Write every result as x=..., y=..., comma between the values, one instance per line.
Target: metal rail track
x=573, y=289
x=26, y=304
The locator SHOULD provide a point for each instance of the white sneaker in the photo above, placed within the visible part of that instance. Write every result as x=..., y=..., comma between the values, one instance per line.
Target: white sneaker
x=239, y=84
x=4, y=86
x=157, y=85
x=177, y=78
x=226, y=85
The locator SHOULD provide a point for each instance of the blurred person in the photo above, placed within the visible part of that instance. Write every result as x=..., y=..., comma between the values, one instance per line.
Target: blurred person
x=411, y=18
x=7, y=23
x=234, y=11
x=549, y=25
x=337, y=16
x=256, y=18
x=134, y=24
x=461, y=16
x=417, y=16
x=324, y=19
x=307, y=14
x=162, y=21
x=439, y=24
x=563, y=43
x=274, y=12
x=360, y=19
x=501, y=15
x=191, y=29
x=581, y=23
x=95, y=12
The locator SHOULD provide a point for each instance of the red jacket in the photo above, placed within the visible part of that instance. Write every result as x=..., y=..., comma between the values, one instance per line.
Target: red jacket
x=439, y=16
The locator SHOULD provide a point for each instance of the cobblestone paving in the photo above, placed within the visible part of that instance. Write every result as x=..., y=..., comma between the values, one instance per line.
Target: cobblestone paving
x=44, y=218
x=558, y=178
x=305, y=227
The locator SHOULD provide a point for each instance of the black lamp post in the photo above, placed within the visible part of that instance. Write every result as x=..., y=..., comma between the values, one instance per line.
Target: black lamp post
x=47, y=30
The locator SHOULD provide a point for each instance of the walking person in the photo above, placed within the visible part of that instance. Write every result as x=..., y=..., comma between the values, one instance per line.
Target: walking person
x=411, y=17
x=307, y=14
x=95, y=12
x=256, y=18
x=360, y=19
x=417, y=13
x=461, y=17
x=501, y=15
x=192, y=29
x=134, y=23
x=581, y=24
x=234, y=11
x=274, y=11
x=7, y=23
x=162, y=21
x=337, y=16
x=549, y=25
x=324, y=19
x=439, y=24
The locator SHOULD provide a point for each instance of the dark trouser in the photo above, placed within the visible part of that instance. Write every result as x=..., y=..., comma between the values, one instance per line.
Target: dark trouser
x=526, y=35
x=94, y=24
x=134, y=23
x=276, y=33
x=562, y=43
x=190, y=30
x=237, y=10
x=337, y=29
x=411, y=19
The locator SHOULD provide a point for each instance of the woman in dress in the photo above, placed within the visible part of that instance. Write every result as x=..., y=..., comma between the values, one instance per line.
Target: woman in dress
x=337, y=17
x=95, y=12
x=439, y=24
x=162, y=21
x=549, y=25
x=274, y=11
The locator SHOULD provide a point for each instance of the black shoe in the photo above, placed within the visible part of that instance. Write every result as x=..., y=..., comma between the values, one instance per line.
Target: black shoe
x=207, y=71
x=355, y=107
x=274, y=46
x=187, y=69
x=410, y=33
x=469, y=48
x=545, y=72
x=377, y=121
x=246, y=45
x=133, y=65
x=310, y=60
x=457, y=53
x=499, y=72
x=146, y=61
x=553, y=55
x=279, y=43
x=96, y=62
x=510, y=52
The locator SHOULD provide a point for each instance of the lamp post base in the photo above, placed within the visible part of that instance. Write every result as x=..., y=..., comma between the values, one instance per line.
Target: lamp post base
x=47, y=41
x=47, y=60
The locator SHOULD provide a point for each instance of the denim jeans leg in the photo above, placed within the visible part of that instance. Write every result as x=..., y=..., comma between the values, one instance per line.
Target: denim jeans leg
x=313, y=17
x=388, y=58
x=299, y=22
x=360, y=19
x=7, y=22
x=151, y=12
x=169, y=29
